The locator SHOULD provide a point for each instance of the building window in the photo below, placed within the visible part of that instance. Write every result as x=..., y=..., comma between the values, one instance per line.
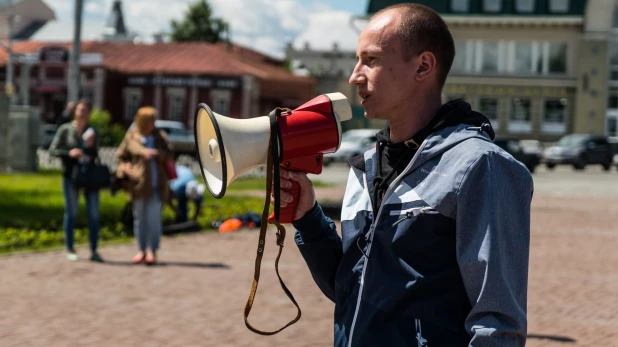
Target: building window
x=132, y=102
x=221, y=101
x=492, y=6
x=490, y=57
x=523, y=57
x=558, y=6
x=176, y=97
x=459, y=63
x=524, y=6
x=176, y=102
x=612, y=126
x=557, y=57
x=489, y=108
x=519, y=120
x=612, y=97
x=554, y=116
x=613, y=54
x=460, y=6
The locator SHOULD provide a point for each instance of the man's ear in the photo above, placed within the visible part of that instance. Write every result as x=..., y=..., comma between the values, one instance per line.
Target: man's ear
x=426, y=65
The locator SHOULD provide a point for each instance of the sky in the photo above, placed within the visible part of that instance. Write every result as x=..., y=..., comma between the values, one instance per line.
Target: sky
x=265, y=25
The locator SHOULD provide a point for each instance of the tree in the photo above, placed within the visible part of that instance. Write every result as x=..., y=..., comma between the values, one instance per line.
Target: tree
x=199, y=25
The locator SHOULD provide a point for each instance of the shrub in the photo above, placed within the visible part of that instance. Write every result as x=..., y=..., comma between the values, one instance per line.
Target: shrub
x=110, y=134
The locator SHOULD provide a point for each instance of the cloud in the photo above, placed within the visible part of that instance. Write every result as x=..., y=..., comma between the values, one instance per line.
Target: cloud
x=264, y=25
x=329, y=27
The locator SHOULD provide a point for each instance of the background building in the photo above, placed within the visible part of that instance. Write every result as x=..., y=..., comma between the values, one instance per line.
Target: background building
x=537, y=68
x=119, y=74
x=174, y=77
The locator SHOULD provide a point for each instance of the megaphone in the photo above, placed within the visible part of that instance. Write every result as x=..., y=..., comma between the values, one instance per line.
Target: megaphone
x=228, y=147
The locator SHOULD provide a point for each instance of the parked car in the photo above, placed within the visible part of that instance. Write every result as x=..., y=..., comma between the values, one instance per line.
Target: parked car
x=353, y=143
x=613, y=144
x=532, y=147
x=579, y=150
x=49, y=131
x=180, y=139
x=530, y=158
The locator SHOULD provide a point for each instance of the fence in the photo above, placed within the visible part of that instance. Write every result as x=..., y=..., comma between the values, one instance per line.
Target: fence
x=108, y=157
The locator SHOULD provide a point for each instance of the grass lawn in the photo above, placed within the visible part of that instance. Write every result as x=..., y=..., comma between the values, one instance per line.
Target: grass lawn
x=32, y=208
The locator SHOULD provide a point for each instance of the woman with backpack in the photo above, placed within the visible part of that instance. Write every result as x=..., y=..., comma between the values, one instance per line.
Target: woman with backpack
x=143, y=156
x=75, y=143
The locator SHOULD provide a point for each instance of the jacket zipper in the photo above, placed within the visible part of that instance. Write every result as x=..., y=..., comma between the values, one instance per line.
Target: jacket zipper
x=413, y=212
x=369, y=235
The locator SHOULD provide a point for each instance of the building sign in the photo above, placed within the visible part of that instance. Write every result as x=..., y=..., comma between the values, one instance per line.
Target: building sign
x=57, y=57
x=170, y=81
x=54, y=55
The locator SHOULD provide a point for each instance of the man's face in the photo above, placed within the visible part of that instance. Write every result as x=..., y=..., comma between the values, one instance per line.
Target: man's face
x=385, y=81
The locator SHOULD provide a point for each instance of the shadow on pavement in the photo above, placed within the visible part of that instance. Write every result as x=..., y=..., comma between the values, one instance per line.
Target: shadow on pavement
x=171, y=263
x=551, y=337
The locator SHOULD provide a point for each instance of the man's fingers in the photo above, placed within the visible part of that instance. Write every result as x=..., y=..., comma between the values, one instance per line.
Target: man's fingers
x=285, y=183
x=284, y=197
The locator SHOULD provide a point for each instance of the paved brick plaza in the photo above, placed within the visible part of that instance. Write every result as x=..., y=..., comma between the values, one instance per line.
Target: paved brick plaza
x=196, y=297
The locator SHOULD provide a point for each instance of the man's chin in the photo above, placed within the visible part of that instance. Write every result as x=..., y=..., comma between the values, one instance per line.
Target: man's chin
x=371, y=115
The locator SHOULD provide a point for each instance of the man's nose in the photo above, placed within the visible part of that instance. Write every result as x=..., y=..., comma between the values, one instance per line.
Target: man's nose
x=357, y=77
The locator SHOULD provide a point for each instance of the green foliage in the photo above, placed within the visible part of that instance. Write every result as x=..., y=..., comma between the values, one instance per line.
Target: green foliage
x=199, y=25
x=110, y=134
x=32, y=208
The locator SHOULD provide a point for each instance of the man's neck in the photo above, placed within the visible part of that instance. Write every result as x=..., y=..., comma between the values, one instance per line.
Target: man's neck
x=411, y=121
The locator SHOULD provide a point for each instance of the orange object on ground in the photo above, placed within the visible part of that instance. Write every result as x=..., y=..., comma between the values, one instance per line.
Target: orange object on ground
x=230, y=225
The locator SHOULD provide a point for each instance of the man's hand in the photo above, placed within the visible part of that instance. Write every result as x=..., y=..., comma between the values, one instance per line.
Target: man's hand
x=150, y=153
x=306, y=200
x=76, y=153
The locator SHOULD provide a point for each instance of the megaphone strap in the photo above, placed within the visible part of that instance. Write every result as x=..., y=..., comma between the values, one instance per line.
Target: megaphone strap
x=272, y=168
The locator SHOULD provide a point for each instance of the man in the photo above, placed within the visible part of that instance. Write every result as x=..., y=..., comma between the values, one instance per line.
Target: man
x=184, y=188
x=435, y=220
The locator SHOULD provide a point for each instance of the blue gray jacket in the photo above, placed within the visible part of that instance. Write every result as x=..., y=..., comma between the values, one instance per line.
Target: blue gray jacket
x=446, y=256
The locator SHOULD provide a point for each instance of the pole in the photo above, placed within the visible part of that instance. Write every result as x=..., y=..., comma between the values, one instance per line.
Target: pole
x=9, y=87
x=74, y=75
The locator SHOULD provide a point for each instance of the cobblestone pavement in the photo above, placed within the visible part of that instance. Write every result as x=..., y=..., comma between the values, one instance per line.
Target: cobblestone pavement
x=197, y=295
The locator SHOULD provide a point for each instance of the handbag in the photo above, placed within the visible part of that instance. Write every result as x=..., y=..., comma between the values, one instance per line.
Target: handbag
x=91, y=175
x=170, y=168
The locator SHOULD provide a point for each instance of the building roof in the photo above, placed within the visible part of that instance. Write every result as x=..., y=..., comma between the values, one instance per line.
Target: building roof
x=475, y=7
x=180, y=58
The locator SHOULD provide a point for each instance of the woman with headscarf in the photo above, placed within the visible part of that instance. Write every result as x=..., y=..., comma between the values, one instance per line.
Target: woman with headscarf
x=143, y=155
x=75, y=143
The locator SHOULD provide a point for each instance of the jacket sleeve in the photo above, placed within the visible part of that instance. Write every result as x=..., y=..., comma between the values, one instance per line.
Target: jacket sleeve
x=320, y=246
x=493, y=243
x=58, y=147
x=122, y=153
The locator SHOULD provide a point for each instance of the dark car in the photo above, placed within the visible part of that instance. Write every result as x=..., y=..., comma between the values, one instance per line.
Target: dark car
x=513, y=146
x=580, y=150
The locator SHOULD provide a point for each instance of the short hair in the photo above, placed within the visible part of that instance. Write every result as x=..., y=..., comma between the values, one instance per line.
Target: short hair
x=85, y=103
x=422, y=29
x=144, y=116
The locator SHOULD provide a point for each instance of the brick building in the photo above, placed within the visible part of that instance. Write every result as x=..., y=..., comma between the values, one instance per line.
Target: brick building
x=173, y=77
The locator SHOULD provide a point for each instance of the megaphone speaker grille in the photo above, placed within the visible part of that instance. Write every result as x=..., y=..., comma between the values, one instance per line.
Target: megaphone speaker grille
x=210, y=151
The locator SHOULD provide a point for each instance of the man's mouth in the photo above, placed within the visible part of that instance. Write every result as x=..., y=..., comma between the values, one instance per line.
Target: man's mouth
x=364, y=97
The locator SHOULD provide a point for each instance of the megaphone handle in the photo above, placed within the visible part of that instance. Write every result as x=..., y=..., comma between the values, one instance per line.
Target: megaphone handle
x=286, y=214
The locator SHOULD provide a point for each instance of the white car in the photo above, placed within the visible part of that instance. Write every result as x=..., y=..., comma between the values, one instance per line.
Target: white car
x=353, y=142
